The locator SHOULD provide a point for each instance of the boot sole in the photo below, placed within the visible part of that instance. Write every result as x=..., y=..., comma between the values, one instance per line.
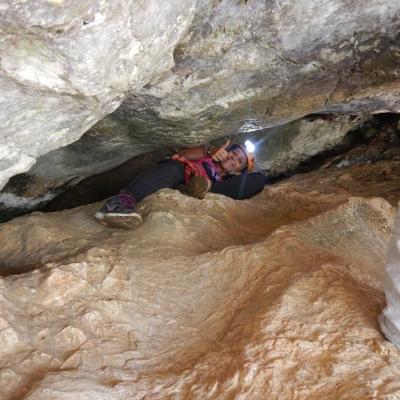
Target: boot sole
x=120, y=221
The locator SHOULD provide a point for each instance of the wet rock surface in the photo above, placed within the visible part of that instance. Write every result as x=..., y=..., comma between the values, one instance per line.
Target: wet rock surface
x=275, y=296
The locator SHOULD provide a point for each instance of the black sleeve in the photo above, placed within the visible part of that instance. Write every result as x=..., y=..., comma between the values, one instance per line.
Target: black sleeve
x=240, y=187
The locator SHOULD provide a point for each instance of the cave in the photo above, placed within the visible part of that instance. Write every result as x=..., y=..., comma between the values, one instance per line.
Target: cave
x=289, y=293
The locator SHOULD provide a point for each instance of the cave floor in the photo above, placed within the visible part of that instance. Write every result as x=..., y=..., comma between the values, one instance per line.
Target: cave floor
x=273, y=297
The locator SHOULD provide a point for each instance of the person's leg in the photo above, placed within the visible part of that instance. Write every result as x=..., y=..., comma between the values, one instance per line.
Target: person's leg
x=240, y=187
x=119, y=211
x=166, y=174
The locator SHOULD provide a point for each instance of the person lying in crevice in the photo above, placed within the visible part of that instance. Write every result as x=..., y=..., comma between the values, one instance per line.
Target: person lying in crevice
x=194, y=171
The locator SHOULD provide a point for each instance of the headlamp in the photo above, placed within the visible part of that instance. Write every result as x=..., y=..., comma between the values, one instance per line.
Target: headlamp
x=250, y=147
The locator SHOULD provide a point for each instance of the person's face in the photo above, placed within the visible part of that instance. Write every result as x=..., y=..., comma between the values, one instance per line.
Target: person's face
x=235, y=161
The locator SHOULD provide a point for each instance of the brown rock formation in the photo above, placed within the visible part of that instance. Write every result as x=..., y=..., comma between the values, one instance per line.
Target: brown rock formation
x=274, y=297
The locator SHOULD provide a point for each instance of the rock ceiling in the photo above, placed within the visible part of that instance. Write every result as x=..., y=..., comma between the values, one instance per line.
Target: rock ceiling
x=185, y=71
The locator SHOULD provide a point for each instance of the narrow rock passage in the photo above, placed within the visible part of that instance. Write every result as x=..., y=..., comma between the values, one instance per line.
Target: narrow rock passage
x=274, y=297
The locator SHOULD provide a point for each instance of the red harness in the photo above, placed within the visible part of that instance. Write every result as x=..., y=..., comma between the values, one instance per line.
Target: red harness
x=202, y=167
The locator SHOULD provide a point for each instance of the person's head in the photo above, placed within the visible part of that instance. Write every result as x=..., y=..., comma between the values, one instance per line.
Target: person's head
x=239, y=160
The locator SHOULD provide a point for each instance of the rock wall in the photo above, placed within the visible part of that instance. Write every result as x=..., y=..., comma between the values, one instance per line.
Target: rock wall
x=67, y=64
x=390, y=318
x=191, y=73
x=247, y=65
x=282, y=149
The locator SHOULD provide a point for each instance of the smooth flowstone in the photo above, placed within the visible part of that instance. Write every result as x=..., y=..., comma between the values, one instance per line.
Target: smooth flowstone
x=276, y=296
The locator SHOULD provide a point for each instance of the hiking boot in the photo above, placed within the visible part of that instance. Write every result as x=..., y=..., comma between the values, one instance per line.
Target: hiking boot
x=119, y=212
x=198, y=187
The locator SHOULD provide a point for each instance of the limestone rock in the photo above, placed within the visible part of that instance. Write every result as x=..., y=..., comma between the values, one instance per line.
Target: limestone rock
x=67, y=64
x=276, y=296
x=249, y=65
x=282, y=149
x=189, y=74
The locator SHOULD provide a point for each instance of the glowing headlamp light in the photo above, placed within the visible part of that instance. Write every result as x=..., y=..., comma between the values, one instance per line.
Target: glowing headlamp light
x=250, y=147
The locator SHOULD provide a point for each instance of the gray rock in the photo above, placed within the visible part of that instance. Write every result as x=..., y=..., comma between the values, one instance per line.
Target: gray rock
x=390, y=318
x=282, y=149
x=344, y=164
x=192, y=73
x=370, y=133
x=266, y=63
x=65, y=65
